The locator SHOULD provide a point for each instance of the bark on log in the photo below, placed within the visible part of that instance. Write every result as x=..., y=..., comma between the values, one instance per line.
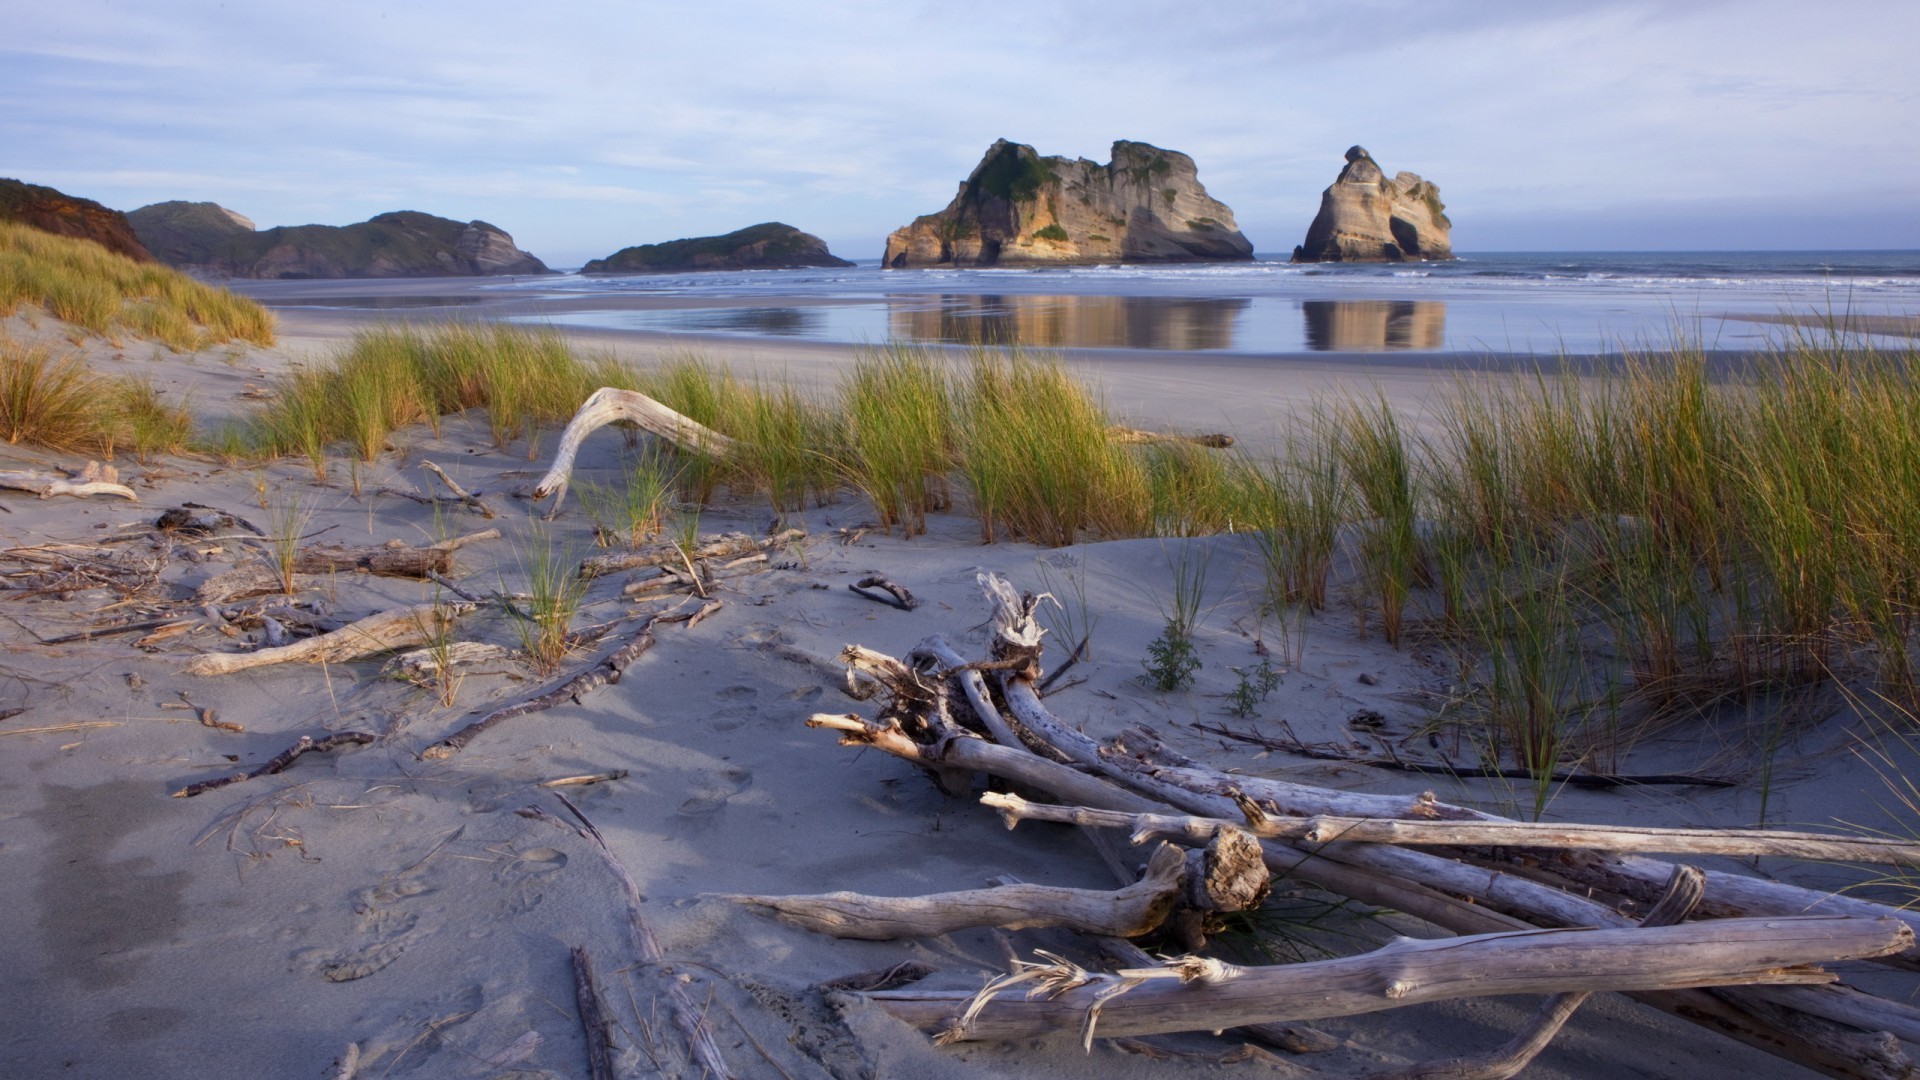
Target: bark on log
x=1128, y=912
x=383, y=632
x=604, y=672
x=609, y=405
x=95, y=479
x=1724, y=953
x=1328, y=828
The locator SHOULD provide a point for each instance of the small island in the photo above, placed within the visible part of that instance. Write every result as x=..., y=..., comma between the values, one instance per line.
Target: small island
x=210, y=239
x=1365, y=217
x=768, y=246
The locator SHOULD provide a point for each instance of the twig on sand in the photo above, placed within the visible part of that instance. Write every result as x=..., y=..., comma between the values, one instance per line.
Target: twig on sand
x=471, y=499
x=897, y=595
x=588, y=778
x=280, y=761
x=586, y=993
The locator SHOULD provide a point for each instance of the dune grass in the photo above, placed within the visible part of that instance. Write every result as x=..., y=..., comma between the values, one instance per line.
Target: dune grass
x=59, y=403
x=88, y=286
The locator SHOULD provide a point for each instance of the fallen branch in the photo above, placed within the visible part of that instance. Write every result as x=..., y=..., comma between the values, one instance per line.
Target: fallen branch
x=1407, y=972
x=609, y=405
x=896, y=595
x=583, y=780
x=279, y=762
x=712, y=546
x=596, y=1024
x=471, y=499
x=1136, y=436
x=604, y=672
x=1128, y=912
x=95, y=479
x=392, y=559
x=385, y=631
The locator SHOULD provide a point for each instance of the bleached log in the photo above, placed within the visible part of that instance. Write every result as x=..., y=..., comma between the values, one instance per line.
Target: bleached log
x=95, y=479
x=1725, y=953
x=1326, y=828
x=609, y=405
x=392, y=559
x=711, y=546
x=385, y=631
x=1128, y=912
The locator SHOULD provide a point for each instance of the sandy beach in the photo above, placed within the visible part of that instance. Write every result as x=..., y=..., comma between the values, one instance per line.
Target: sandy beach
x=367, y=913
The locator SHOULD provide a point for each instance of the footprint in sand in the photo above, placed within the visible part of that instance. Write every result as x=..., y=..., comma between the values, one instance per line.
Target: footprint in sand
x=387, y=930
x=523, y=878
x=712, y=793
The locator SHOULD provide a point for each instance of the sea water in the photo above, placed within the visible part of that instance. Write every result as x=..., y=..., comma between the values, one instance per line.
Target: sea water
x=1574, y=303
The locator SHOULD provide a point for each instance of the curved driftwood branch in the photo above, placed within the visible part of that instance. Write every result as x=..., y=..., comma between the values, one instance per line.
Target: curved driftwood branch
x=1128, y=912
x=383, y=632
x=609, y=405
x=1724, y=953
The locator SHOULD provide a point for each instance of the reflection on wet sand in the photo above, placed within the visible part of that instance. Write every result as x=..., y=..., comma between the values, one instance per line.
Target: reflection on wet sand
x=1367, y=325
x=1066, y=322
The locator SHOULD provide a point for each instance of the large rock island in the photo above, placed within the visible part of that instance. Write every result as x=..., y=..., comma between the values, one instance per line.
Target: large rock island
x=768, y=246
x=52, y=211
x=1365, y=217
x=1020, y=209
x=405, y=243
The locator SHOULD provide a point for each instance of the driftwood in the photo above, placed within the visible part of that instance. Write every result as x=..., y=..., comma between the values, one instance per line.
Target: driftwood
x=470, y=499
x=423, y=666
x=1828, y=1028
x=597, y=1026
x=95, y=479
x=307, y=744
x=711, y=546
x=392, y=559
x=609, y=405
x=697, y=577
x=383, y=632
x=896, y=595
x=1408, y=972
x=1326, y=829
x=1135, y=435
x=1129, y=912
x=603, y=672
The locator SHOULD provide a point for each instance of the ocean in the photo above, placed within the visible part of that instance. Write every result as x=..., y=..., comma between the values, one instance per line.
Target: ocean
x=1542, y=303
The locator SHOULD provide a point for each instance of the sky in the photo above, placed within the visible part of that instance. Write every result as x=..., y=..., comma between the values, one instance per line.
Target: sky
x=584, y=127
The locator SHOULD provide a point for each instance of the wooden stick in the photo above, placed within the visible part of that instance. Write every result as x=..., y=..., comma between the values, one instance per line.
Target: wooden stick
x=583, y=780
x=1723, y=953
x=382, y=632
x=605, y=672
x=1327, y=828
x=280, y=761
x=711, y=546
x=896, y=595
x=609, y=405
x=472, y=500
x=95, y=479
x=593, y=1021
x=1128, y=912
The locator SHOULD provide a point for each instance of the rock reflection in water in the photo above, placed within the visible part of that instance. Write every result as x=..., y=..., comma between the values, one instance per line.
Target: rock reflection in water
x=1362, y=325
x=1067, y=322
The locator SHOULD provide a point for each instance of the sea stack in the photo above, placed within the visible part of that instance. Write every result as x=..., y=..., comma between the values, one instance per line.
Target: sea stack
x=1365, y=217
x=768, y=246
x=1020, y=209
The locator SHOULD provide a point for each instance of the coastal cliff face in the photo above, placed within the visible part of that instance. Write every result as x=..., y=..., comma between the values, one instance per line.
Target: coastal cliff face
x=405, y=243
x=1364, y=217
x=1020, y=209
x=768, y=246
x=51, y=211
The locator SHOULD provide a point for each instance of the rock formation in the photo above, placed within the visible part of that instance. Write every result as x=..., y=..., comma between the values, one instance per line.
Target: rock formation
x=404, y=243
x=1020, y=209
x=769, y=246
x=186, y=233
x=48, y=210
x=1365, y=217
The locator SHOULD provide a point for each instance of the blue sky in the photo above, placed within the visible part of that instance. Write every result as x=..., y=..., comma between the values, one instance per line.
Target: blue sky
x=583, y=127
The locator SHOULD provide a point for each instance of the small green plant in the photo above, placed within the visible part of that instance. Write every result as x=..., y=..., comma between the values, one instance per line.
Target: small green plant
x=1052, y=232
x=287, y=518
x=1172, y=658
x=636, y=511
x=1256, y=684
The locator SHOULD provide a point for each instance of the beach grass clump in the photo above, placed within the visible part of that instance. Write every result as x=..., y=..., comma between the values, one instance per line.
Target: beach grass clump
x=785, y=444
x=899, y=404
x=84, y=284
x=58, y=402
x=1037, y=455
x=1377, y=458
x=552, y=597
x=145, y=422
x=635, y=511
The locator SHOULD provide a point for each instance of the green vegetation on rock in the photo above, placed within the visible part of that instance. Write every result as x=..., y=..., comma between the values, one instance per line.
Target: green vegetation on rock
x=771, y=245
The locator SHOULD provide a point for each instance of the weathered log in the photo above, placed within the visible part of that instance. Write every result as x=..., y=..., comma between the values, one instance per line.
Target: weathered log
x=593, y=1022
x=1327, y=828
x=1127, y=912
x=711, y=546
x=423, y=666
x=1137, y=436
x=1724, y=953
x=279, y=762
x=392, y=559
x=603, y=672
x=609, y=405
x=95, y=479
x=383, y=632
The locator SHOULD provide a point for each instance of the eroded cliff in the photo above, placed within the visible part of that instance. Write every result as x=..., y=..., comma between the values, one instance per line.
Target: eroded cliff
x=52, y=211
x=1365, y=217
x=1019, y=208
x=404, y=243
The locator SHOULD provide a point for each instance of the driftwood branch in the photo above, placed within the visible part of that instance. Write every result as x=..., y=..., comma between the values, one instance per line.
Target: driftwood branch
x=95, y=479
x=712, y=546
x=470, y=499
x=1728, y=952
x=383, y=632
x=896, y=595
x=609, y=405
x=392, y=559
x=1128, y=912
x=593, y=1022
x=279, y=762
x=1136, y=436
x=604, y=672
